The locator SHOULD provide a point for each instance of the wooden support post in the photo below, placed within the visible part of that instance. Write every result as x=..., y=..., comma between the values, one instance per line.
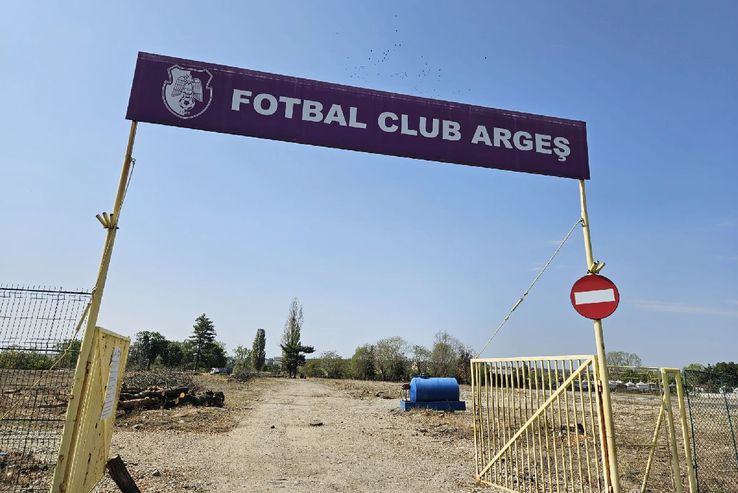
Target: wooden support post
x=117, y=470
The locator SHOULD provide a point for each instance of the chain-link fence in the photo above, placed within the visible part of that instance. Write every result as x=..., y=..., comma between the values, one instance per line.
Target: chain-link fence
x=39, y=345
x=712, y=399
x=712, y=421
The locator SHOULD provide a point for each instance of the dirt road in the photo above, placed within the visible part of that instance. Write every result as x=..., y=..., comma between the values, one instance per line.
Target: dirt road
x=363, y=444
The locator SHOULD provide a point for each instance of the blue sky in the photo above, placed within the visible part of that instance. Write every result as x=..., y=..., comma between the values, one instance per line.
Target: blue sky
x=376, y=246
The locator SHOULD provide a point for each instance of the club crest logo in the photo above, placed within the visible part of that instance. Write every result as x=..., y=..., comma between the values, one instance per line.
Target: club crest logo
x=187, y=93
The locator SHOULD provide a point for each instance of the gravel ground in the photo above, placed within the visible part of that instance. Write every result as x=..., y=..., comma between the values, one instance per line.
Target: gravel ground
x=300, y=435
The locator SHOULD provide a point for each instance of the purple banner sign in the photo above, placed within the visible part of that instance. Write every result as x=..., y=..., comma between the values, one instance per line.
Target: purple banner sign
x=199, y=95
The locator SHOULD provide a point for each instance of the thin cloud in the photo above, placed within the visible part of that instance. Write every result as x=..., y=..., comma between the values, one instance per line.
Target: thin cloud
x=678, y=307
x=728, y=224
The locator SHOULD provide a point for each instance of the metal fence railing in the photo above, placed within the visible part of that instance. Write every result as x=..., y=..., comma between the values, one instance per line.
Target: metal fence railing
x=38, y=353
x=712, y=399
x=537, y=424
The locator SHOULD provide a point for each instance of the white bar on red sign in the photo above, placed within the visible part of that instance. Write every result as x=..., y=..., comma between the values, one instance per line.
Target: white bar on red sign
x=597, y=296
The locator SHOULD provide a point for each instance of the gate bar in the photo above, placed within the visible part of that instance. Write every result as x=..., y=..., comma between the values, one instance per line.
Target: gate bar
x=652, y=451
x=609, y=447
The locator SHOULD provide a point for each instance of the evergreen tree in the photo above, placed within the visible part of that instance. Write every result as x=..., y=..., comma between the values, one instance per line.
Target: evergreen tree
x=292, y=348
x=258, y=350
x=202, y=338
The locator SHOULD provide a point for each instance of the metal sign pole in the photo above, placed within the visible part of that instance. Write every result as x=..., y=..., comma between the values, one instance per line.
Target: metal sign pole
x=81, y=374
x=609, y=443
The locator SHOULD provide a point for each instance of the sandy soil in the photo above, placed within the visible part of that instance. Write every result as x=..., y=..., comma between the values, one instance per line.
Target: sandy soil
x=363, y=444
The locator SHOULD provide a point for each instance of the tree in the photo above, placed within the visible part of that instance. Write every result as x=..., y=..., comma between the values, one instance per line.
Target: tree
x=621, y=358
x=258, y=350
x=242, y=360
x=312, y=367
x=332, y=365
x=18, y=358
x=444, y=354
x=146, y=347
x=362, y=363
x=215, y=355
x=174, y=354
x=68, y=353
x=720, y=377
x=202, y=338
x=725, y=373
x=421, y=360
x=292, y=348
x=463, y=364
x=390, y=359
x=696, y=367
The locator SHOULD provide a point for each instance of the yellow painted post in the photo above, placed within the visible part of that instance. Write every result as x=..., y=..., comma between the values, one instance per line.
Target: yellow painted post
x=475, y=410
x=652, y=450
x=692, y=477
x=671, y=432
x=81, y=374
x=604, y=374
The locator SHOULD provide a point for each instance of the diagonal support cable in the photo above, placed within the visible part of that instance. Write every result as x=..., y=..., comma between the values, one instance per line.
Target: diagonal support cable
x=523, y=296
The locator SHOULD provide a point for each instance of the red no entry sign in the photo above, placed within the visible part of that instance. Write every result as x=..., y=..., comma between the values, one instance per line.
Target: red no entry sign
x=594, y=296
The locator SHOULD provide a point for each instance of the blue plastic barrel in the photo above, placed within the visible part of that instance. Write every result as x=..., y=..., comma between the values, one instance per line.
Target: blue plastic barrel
x=434, y=389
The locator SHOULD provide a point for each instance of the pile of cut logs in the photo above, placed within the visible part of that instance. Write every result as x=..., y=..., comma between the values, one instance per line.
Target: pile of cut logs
x=166, y=398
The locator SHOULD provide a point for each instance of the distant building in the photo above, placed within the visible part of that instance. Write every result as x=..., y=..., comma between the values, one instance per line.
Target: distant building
x=616, y=385
x=643, y=387
x=276, y=361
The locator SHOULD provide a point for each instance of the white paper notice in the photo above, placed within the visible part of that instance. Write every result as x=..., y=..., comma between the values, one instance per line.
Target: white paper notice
x=107, y=409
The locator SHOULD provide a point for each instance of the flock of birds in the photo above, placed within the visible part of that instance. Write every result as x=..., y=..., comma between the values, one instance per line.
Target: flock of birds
x=425, y=79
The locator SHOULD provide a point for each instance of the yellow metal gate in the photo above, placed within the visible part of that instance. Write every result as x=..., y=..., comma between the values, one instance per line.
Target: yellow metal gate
x=85, y=443
x=537, y=425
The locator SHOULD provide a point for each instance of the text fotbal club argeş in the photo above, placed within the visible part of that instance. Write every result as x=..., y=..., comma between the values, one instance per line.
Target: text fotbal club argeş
x=431, y=128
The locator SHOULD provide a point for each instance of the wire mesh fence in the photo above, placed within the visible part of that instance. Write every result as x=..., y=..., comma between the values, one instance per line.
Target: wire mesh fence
x=39, y=345
x=712, y=399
